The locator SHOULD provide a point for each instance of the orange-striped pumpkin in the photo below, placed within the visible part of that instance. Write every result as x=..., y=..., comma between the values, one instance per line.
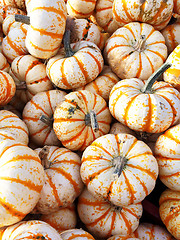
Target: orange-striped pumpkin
x=148, y=107
x=103, y=219
x=76, y=234
x=103, y=84
x=135, y=50
x=119, y=168
x=7, y=88
x=169, y=210
x=80, y=8
x=21, y=178
x=157, y=13
x=13, y=128
x=63, y=219
x=4, y=65
x=14, y=3
x=172, y=74
x=32, y=229
x=171, y=34
x=47, y=26
x=13, y=45
x=63, y=183
x=80, y=119
x=38, y=116
x=168, y=157
x=8, y=10
x=104, y=17
x=9, y=23
x=82, y=67
x=29, y=74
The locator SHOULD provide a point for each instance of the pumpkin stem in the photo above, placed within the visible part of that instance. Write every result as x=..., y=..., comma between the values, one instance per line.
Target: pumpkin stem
x=67, y=39
x=47, y=120
x=43, y=156
x=22, y=18
x=91, y=120
x=21, y=86
x=118, y=163
x=151, y=80
x=140, y=45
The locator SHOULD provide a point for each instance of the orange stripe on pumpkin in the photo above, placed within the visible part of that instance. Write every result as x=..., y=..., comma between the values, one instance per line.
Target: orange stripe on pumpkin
x=45, y=32
x=129, y=188
x=50, y=10
x=148, y=172
x=83, y=69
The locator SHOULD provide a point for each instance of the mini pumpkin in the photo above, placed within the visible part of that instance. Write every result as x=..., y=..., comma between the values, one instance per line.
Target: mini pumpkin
x=4, y=65
x=81, y=118
x=76, y=234
x=135, y=50
x=9, y=23
x=6, y=10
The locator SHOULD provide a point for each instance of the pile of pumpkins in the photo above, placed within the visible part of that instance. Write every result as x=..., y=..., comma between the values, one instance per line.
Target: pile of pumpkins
x=89, y=119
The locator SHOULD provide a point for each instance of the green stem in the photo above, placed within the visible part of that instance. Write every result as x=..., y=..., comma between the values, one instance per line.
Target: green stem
x=151, y=80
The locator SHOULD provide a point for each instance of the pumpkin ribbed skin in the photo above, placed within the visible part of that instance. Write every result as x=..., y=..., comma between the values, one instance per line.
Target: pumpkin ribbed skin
x=13, y=45
x=148, y=112
x=4, y=65
x=150, y=231
x=135, y=50
x=169, y=211
x=168, y=157
x=33, y=229
x=156, y=13
x=76, y=234
x=119, y=168
x=63, y=219
x=13, y=128
x=78, y=70
x=103, y=84
x=172, y=74
x=21, y=178
x=9, y=23
x=14, y=3
x=7, y=88
x=62, y=179
x=47, y=26
x=80, y=8
x=32, y=72
x=171, y=34
x=103, y=219
x=8, y=10
x=70, y=123
x=42, y=104
x=104, y=17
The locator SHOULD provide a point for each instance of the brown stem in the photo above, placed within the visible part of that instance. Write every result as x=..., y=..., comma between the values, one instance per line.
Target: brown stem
x=22, y=18
x=140, y=45
x=91, y=120
x=21, y=86
x=48, y=121
x=43, y=154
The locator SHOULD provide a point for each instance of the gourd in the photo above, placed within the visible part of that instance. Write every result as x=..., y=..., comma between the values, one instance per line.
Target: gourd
x=76, y=234
x=9, y=23
x=81, y=118
x=148, y=107
x=21, y=178
x=4, y=65
x=156, y=13
x=119, y=168
x=135, y=50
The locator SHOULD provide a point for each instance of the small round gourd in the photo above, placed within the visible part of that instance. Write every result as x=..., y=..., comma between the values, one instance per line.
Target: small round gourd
x=114, y=168
x=7, y=88
x=4, y=65
x=76, y=234
x=9, y=23
x=103, y=219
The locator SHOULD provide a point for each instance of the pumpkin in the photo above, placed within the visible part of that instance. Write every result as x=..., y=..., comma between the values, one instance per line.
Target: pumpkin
x=47, y=26
x=32, y=229
x=80, y=8
x=38, y=114
x=4, y=65
x=171, y=34
x=104, y=17
x=80, y=119
x=75, y=66
x=168, y=157
x=169, y=204
x=29, y=74
x=119, y=237
x=172, y=75
x=118, y=127
x=135, y=50
x=9, y=23
x=63, y=183
x=63, y=219
x=13, y=128
x=14, y=3
x=156, y=13
x=21, y=180
x=103, y=84
x=7, y=88
x=76, y=234
x=104, y=219
x=8, y=10
x=148, y=107
x=119, y=168
x=12, y=109
x=13, y=45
